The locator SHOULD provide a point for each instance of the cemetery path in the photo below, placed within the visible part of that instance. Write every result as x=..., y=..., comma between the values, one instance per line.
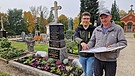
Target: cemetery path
x=125, y=66
x=126, y=59
x=4, y=67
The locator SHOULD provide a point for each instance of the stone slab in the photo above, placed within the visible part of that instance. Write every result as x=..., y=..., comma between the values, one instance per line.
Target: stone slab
x=29, y=69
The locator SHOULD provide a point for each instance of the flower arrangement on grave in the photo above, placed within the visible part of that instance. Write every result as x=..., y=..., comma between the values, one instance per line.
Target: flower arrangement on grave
x=38, y=38
x=64, y=68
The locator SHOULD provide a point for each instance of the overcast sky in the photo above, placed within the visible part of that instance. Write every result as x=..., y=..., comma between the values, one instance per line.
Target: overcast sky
x=70, y=8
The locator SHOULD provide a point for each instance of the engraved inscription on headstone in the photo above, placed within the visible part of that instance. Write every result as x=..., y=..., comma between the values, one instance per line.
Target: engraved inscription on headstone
x=56, y=32
x=57, y=44
x=57, y=53
x=53, y=53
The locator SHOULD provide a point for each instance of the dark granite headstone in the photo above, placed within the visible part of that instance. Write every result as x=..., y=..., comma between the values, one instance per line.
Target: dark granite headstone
x=2, y=31
x=3, y=34
x=57, y=49
x=56, y=32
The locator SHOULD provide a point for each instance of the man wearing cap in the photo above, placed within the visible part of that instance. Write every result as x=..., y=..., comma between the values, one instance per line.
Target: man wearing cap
x=108, y=34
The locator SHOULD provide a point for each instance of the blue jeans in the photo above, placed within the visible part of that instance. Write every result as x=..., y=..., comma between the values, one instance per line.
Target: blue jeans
x=87, y=65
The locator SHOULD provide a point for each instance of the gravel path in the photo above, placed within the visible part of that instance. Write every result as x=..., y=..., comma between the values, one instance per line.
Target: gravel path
x=126, y=60
x=4, y=67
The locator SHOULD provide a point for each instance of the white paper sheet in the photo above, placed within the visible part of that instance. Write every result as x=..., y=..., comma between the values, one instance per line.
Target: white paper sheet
x=102, y=49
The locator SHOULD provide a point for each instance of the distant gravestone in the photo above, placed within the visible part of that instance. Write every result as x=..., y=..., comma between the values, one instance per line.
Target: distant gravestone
x=70, y=24
x=2, y=31
x=44, y=37
x=23, y=35
x=30, y=43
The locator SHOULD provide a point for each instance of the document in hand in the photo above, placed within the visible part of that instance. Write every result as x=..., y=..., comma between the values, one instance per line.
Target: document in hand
x=101, y=49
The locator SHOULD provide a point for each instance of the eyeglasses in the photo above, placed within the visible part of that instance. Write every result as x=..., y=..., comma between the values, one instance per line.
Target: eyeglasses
x=85, y=18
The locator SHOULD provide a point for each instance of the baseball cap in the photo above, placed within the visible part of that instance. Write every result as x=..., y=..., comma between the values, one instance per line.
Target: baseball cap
x=105, y=12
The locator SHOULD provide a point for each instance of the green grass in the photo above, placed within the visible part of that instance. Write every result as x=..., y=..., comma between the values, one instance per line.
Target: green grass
x=37, y=47
x=23, y=45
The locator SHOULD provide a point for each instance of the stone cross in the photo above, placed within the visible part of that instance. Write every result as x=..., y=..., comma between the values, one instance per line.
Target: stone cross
x=2, y=28
x=56, y=8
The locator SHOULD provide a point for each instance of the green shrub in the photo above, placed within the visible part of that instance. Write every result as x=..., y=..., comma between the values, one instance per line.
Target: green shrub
x=5, y=43
x=69, y=34
x=119, y=23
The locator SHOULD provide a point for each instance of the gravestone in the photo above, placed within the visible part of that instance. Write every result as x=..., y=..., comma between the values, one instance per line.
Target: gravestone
x=23, y=35
x=70, y=24
x=57, y=49
x=30, y=43
x=37, y=32
x=2, y=31
x=44, y=38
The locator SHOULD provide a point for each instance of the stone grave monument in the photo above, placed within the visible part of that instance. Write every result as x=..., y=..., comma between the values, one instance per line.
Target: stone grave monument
x=57, y=49
x=30, y=43
x=70, y=24
x=23, y=35
x=2, y=31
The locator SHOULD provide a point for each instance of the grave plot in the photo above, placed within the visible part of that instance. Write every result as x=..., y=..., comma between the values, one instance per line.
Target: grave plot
x=7, y=52
x=44, y=66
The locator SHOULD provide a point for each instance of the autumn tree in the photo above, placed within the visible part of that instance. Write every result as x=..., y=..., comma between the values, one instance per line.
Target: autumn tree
x=40, y=14
x=29, y=20
x=122, y=13
x=76, y=22
x=42, y=22
x=64, y=20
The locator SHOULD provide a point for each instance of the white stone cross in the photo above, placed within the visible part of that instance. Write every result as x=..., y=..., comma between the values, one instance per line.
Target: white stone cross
x=56, y=8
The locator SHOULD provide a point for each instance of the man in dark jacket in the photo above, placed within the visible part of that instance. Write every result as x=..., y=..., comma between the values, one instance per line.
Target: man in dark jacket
x=82, y=35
